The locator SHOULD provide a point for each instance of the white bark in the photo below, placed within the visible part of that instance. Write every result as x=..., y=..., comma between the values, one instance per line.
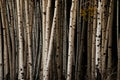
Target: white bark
x=46, y=25
x=43, y=29
x=47, y=67
x=29, y=42
x=20, y=38
x=93, y=41
x=98, y=37
x=71, y=39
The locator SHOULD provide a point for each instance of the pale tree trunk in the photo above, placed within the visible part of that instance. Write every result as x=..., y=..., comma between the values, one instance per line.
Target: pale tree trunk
x=44, y=54
x=71, y=39
x=47, y=67
x=29, y=42
x=20, y=38
x=98, y=39
x=93, y=41
x=47, y=35
x=48, y=27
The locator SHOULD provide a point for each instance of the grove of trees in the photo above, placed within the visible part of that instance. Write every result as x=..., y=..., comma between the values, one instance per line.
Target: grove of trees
x=59, y=40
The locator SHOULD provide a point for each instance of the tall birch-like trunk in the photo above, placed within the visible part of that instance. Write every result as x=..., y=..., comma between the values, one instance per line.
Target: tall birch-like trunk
x=20, y=38
x=98, y=39
x=47, y=67
x=44, y=53
x=93, y=41
x=106, y=41
x=71, y=39
x=29, y=41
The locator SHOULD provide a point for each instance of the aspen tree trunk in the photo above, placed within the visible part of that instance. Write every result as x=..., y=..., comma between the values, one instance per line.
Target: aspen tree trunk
x=118, y=40
x=47, y=67
x=29, y=42
x=5, y=48
x=109, y=65
x=1, y=51
x=11, y=5
x=80, y=39
x=48, y=27
x=103, y=30
x=47, y=35
x=89, y=43
x=8, y=28
x=20, y=38
x=71, y=39
x=98, y=38
x=58, y=46
x=93, y=41
x=65, y=40
x=44, y=34
x=88, y=53
x=16, y=37
x=106, y=40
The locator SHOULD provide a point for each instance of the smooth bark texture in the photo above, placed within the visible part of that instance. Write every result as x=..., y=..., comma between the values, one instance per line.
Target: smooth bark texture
x=59, y=40
x=20, y=38
x=71, y=39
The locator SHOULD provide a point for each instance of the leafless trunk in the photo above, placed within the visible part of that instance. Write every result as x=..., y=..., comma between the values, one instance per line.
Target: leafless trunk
x=20, y=38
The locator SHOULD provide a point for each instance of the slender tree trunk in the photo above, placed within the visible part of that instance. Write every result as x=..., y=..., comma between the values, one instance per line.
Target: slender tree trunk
x=109, y=65
x=20, y=38
x=44, y=34
x=106, y=40
x=98, y=39
x=93, y=41
x=118, y=40
x=58, y=46
x=103, y=30
x=65, y=40
x=47, y=67
x=11, y=4
x=29, y=42
x=71, y=38
x=5, y=47
x=1, y=51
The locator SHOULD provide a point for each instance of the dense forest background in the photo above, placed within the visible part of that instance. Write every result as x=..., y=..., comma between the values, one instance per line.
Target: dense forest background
x=59, y=40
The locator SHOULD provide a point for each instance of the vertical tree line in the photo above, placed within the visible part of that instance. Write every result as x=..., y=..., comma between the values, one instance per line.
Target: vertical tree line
x=59, y=40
